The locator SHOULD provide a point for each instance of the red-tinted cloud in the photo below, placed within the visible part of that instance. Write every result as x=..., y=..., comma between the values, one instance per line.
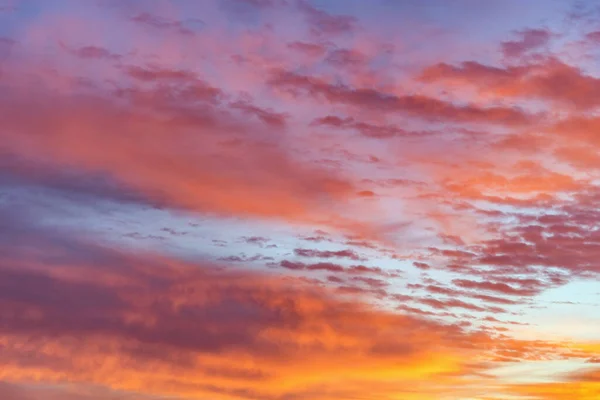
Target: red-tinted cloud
x=549, y=79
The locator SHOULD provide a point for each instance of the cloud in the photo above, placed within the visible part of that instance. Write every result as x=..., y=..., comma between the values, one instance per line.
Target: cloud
x=498, y=287
x=242, y=334
x=19, y=172
x=274, y=119
x=146, y=147
x=447, y=188
x=321, y=22
x=92, y=53
x=419, y=106
x=159, y=23
x=455, y=303
x=314, y=50
x=549, y=79
x=346, y=58
x=364, y=128
x=349, y=254
x=153, y=74
x=337, y=268
x=529, y=39
x=584, y=384
x=6, y=45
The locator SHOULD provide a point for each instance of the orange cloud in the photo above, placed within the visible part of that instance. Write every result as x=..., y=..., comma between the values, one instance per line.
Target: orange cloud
x=549, y=80
x=477, y=179
x=583, y=384
x=193, y=330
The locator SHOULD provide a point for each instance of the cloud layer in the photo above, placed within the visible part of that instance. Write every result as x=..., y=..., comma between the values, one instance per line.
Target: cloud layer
x=272, y=199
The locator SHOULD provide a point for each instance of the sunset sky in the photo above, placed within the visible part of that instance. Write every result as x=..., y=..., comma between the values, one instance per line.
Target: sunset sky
x=299, y=200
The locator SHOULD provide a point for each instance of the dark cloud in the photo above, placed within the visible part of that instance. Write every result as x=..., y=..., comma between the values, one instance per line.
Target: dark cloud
x=32, y=173
x=498, y=287
x=346, y=58
x=156, y=22
x=365, y=129
x=269, y=117
x=92, y=52
x=529, y=39
x=420, y=106
x=331, y=267
x=6, y=45
x=322, y=23
x=308, y=49
x=349, y=254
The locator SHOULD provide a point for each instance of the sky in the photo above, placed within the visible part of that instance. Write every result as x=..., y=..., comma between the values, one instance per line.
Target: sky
x=299, y=200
